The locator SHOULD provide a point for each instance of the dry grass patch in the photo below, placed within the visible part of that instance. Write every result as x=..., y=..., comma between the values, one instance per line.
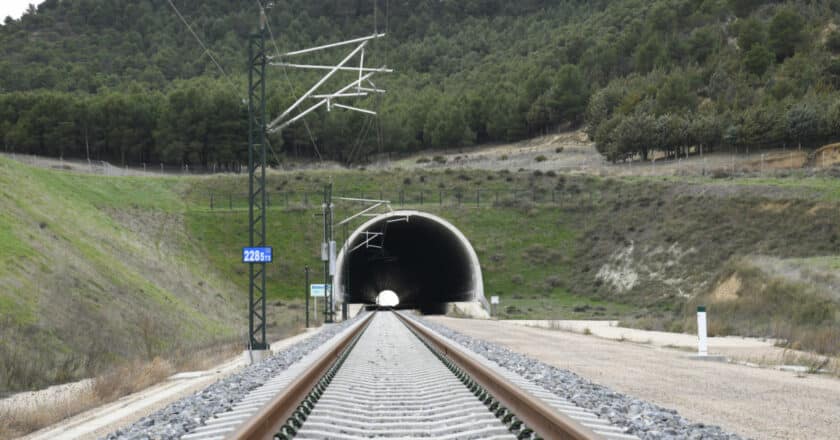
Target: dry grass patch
x=131, y=378
x=40, y=411
x=29, y=412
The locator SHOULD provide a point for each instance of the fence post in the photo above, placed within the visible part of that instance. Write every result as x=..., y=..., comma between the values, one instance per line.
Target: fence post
x=211, y=201
x=306, y=294
x=459, y=196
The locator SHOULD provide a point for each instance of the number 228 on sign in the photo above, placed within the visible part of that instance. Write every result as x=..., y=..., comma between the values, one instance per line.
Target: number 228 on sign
x=257, y=255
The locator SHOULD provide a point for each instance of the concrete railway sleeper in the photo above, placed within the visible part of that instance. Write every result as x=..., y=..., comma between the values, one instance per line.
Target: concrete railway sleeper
x=391, y=377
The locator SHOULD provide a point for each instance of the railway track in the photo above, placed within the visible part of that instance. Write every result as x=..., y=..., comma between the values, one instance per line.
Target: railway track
x=388, y=376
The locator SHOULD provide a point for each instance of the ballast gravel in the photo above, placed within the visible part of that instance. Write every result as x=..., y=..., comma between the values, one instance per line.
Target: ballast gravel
x=643, y=419
x=186, y=414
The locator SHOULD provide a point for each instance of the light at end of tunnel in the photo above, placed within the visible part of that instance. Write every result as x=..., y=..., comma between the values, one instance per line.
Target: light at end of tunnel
x=387, y=298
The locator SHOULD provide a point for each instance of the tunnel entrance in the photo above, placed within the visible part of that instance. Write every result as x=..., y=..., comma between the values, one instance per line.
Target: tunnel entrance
x=422, y=257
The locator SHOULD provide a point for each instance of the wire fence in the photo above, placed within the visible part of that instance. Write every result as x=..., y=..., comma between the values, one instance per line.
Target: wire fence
x=105, y=168
x=411, y=198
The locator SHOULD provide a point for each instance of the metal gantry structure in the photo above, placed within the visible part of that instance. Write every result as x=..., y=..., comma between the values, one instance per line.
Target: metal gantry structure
x=256, y=186
x=375, y=208
x=360, y=87
x=258, y=128
x=328, y=254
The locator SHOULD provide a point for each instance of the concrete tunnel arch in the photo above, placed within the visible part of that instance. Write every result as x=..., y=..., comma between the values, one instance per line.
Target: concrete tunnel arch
x=422, y=257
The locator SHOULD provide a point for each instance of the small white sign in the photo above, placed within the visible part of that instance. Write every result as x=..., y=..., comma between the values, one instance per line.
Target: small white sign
x=319, y=290
x=494, y=300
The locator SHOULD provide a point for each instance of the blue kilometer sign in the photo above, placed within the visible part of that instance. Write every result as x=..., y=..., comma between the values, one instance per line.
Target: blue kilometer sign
x=257, y=255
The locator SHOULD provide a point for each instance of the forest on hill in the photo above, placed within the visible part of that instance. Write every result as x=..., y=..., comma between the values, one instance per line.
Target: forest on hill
x=126, y=81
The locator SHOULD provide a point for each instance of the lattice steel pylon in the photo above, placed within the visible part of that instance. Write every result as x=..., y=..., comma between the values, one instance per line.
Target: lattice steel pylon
x=259, y=127
x=256, y=186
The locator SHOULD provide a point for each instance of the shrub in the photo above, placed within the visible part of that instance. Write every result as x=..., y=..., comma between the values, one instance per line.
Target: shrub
x=758, y=59
x=558, y=150
x=541, y=158
x=721, y=174
x=407, y=181
x=424, y=160
x=439, y=159
x=540, y=255
x=786, y=33
x=553, y=281
x=832, y=41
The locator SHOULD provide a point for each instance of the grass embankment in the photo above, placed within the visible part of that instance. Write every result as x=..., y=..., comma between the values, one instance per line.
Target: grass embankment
x=761, y=253
x=96, y=271
x=645, y=250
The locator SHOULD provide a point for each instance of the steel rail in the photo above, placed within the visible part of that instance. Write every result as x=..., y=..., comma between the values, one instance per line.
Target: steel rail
x=274, y=415
x=544, y=420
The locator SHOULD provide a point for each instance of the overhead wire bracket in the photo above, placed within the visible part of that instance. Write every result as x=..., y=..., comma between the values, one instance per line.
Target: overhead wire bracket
x=365, y=73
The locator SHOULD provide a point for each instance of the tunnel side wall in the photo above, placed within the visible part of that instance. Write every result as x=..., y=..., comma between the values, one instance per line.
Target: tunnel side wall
x=475, y=266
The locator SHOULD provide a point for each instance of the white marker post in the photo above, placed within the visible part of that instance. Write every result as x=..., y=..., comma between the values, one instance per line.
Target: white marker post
x=494, y=300
x=702, y=342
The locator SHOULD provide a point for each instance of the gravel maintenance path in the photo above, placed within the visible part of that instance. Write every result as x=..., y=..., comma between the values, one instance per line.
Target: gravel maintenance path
x=754, y=402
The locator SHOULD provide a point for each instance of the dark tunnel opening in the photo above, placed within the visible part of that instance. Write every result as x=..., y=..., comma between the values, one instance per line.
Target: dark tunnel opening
x=424, y=260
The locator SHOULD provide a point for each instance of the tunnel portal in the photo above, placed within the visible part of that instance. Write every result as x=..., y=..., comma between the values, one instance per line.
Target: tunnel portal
x=422, y=257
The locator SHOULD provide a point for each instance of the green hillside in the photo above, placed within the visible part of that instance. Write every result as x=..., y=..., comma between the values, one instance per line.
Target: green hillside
x=95, y=271
x=643, y=250
x=98, y=270
x=125, y=81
